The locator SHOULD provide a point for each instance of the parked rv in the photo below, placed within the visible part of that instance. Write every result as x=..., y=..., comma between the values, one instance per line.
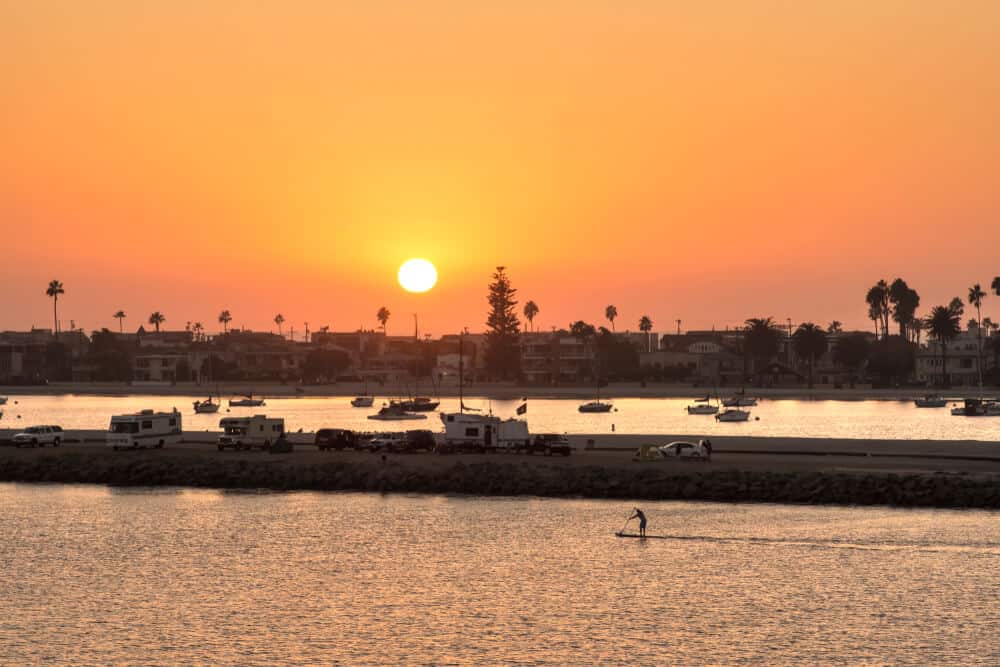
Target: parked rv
x=144, y=429
x=465, y=432
x=250, y=432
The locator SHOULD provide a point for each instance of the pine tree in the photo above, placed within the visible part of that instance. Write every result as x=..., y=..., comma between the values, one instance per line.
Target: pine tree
x=503, y=327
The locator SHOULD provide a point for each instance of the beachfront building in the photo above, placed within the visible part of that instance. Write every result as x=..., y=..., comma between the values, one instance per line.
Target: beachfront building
x=962, y=360
x=553, y=358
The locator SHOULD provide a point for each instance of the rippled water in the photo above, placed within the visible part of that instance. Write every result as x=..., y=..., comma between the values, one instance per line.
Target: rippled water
x=891, y=420
x=97, y=576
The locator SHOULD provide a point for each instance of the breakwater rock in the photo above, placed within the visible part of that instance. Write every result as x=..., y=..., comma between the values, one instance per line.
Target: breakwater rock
x=504, y=478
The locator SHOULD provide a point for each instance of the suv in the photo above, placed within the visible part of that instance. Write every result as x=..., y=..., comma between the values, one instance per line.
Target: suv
x=39, y=436
x=387, y=442
x=418, y=440
x=549, y=444
x=335, y=438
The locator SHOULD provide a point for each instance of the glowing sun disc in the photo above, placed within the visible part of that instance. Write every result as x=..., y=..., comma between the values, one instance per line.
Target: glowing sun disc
x=417, y=275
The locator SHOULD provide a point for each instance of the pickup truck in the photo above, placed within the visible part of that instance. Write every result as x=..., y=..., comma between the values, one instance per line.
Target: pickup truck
x=39, y=436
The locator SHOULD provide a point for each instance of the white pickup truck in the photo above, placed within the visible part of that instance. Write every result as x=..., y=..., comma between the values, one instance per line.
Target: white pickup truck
x=39, y=436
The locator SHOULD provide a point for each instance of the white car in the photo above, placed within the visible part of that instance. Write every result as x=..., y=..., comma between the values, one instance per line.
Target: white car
x=683, y=449
x=39, y=436
x=387, y=442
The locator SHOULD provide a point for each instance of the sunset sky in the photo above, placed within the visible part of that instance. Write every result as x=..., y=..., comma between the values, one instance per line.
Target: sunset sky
x=707, y=161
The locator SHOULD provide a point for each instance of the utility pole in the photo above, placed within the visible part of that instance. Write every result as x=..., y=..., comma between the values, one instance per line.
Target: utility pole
x=678, y=327
x=307, y=332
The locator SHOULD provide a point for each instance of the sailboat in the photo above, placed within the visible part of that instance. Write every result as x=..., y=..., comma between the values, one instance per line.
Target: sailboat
x=702, y=407
x=596, y=405
x=247, y=401
x=365, y=400
x=208, y=406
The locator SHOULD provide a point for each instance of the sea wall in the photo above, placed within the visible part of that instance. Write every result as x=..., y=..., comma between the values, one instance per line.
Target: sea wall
x=455, y=476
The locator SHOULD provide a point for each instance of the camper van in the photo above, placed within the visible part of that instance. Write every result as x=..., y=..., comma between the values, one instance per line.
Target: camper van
x=249, y=432
x=144, y=429
x=482, y=433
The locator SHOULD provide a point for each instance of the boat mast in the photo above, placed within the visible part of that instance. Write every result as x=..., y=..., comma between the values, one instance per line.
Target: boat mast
x=461, y=369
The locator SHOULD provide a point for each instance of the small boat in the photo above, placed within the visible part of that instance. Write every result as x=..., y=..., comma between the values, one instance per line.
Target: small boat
x=246, y=402
x=739, y=401
x=733, y=415
x=206, y=407
x=977, y=407
x=930, y=401
x=363, y=401
x=3, y=400
x=395, y=413
x=419, y=404
x=596, y=406
x=702, y=407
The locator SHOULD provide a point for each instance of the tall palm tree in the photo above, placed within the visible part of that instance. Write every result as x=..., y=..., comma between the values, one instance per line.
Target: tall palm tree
x=835, y=327
x=120, y=315
x=878, y=306
x=198, y=329
x=156, y=319
x=54, y=290
x=762, y=339
x=976, y=296
x=905, y=302
x=279, y=319
x=383, y=316
x=645, y=326
x=610, y=313
x=809, y=341
x=225, y=318
x=530, y=311
x=943, y=325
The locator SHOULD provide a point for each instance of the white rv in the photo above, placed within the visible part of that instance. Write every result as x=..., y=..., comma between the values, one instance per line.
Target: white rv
x=250, y=432
x=470, y=432
x=144, y=429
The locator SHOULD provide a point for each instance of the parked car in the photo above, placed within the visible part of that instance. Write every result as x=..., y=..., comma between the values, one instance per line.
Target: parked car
x=683, y=449
x=39, y=436
x=387, y=442
x=336, y=438
x=549, y=444
x=420, y=440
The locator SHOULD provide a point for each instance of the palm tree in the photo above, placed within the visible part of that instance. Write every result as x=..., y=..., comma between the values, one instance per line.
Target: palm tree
x=120, y=315
x=54, y=290
x=610, y=313
x=835, y=327
x=809, y=342
x=645, y=326
x=225, y=318
x=383, y=316
x=943, y=325
x=878, y=306
x=530, y=311
x=198, y=330
x=905, y=302
x=279, y=319
x=762, y=339
x=976, y=296
x=995, y=285
x=156, y=319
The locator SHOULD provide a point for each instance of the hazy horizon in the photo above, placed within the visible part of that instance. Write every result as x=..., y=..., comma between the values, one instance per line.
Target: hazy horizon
x=690, y=162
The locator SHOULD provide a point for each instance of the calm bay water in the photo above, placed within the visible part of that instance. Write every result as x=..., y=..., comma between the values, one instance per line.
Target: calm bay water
x=891, y=420
x=99, y=576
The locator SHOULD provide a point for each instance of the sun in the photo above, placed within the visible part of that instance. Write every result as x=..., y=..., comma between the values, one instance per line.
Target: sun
x=417, y=275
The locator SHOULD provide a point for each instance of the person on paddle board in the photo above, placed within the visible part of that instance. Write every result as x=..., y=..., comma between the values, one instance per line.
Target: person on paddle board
x=642, y=520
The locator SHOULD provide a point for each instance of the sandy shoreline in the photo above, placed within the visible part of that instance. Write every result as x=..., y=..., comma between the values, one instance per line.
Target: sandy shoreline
x=494, y=391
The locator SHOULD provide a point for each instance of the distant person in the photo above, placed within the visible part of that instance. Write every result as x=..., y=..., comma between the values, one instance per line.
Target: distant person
x=642, y=520
x=708, y=449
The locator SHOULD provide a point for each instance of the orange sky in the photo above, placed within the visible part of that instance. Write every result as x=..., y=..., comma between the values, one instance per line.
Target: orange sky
x=706, y=161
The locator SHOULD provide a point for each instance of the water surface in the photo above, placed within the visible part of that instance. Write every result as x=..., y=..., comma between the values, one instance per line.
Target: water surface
x=99, y=576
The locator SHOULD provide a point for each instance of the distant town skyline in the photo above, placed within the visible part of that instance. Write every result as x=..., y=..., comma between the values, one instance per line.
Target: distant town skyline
x=674, y=160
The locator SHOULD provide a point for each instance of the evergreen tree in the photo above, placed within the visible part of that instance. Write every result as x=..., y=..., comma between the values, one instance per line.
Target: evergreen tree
x=503, y=327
